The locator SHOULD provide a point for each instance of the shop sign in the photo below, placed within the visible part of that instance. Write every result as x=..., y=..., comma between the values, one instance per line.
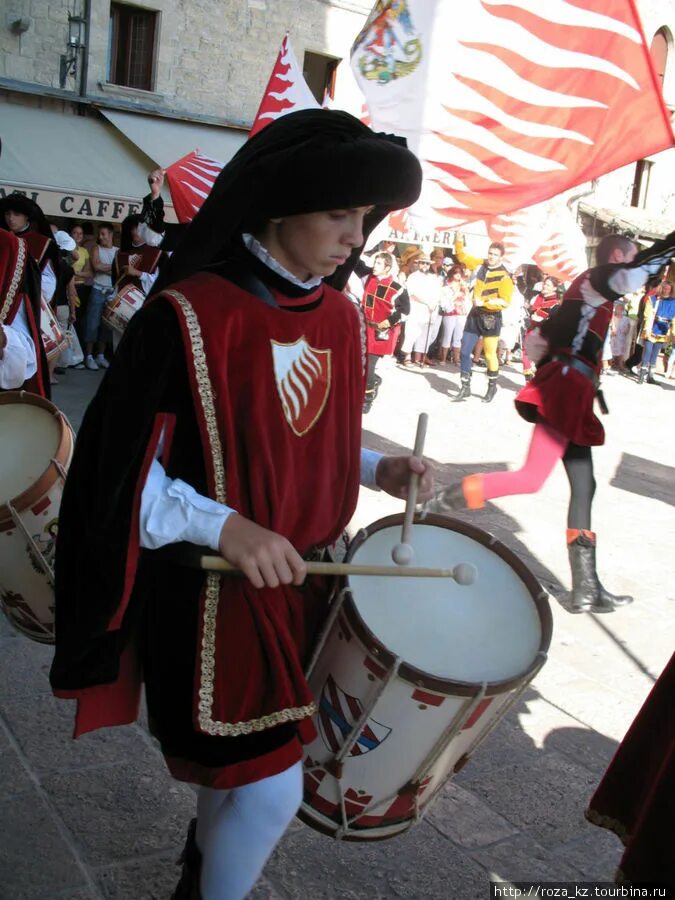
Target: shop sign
x=76, y=205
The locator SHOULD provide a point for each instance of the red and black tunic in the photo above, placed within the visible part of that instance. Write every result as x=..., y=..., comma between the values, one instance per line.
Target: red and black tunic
x=261, y=409
x=383, y=298
x=560, y=393
x=20, y=288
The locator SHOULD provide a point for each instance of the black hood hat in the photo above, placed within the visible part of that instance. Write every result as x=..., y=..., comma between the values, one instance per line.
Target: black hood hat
x=27, y=207
x=306, y=161
x=126, y=239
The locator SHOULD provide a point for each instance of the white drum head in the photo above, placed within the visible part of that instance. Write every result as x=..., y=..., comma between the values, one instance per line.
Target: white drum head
x=485, y=632
x=30, y=438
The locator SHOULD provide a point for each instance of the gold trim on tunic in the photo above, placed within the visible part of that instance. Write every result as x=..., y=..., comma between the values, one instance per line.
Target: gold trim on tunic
x=207, y=659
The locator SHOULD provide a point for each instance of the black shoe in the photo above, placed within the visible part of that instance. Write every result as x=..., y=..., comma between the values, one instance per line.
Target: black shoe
x=191, y=860
x=588, y=594
x=650, y=378
x=491, y=391
x=464, y=391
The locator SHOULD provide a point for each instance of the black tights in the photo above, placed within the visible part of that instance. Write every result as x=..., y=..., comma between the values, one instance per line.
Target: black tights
x=578, y=463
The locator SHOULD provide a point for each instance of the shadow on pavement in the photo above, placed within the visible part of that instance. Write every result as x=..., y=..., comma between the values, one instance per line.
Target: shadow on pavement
x=653, y=480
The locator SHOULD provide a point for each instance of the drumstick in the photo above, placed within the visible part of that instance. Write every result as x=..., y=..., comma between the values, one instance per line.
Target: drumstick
x=403, y=553
x=463, y=573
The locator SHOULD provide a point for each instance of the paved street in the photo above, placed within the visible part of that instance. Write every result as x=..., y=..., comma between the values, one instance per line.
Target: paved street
x=101, y=818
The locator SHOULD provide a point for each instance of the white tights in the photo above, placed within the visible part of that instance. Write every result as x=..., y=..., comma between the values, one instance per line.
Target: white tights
x=238, y=829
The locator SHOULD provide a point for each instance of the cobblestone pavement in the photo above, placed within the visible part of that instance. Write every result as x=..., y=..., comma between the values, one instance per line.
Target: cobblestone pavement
x=101, y=818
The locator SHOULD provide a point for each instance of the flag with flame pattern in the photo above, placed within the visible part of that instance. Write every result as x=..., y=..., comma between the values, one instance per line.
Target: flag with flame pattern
x=510, y=102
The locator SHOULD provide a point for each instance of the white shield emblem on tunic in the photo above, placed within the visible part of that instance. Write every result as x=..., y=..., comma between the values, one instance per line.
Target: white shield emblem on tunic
x=303, y=377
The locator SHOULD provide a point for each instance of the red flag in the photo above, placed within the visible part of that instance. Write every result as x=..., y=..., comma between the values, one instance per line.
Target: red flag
x=286, y=90
x=190, y=180
x=510, y=102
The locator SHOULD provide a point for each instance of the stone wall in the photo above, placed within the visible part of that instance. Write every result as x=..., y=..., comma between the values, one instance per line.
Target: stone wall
x=213, y=57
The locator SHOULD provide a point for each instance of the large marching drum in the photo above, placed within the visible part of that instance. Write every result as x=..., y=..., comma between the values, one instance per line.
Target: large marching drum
x=37, y=446
x=120, y=308
x=53, y=338
x=411, y=674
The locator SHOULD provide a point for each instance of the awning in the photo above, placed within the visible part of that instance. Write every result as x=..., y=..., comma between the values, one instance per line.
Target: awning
x=167, y=140
x=639, y=222
x=73, y=166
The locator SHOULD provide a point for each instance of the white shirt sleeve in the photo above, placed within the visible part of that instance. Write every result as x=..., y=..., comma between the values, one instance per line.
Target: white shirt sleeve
x=147, y=281
x=19, y=360
x=172, y=511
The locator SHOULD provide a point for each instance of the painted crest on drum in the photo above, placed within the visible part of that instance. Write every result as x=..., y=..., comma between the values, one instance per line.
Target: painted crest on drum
x=338, y=711
x=46, y=544
x=303, y=378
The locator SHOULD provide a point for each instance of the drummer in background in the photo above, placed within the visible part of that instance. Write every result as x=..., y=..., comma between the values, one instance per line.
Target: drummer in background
x=134, y=242
x=21, y=368
x=23, y=217
x=246, y=379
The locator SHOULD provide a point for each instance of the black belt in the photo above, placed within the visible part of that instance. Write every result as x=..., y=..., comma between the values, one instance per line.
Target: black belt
x=589, y=372
x=580, y=366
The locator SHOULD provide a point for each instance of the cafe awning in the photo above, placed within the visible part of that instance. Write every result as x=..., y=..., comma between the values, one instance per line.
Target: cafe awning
x=167, y=140
x=73, y=166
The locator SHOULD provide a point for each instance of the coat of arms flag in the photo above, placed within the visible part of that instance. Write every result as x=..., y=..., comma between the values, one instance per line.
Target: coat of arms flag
x=507, y=104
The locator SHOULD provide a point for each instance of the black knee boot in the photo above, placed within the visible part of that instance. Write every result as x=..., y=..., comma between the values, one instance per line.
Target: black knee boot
x=588, y=594
x=492, y=387
x=191, y=860
x=465, y=389
x=371, y=393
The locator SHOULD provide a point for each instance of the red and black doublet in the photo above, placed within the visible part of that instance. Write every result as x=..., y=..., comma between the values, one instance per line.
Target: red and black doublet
x=260, y=407
x=144, y=258
x=542, y=306
x=383, y=298
x=564, y=386
x=20, y=287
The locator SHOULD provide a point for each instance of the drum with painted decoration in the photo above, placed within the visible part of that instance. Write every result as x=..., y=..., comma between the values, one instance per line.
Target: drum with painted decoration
x=118, y=311
x=36, y=446
x=53, y=338
x=411, y=674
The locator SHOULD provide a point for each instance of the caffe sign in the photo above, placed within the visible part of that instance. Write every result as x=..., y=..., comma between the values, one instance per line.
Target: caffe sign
x=76, y=205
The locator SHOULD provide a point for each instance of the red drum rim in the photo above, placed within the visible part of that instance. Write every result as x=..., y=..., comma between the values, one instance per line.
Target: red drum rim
x=422, y=679
x=37, y=491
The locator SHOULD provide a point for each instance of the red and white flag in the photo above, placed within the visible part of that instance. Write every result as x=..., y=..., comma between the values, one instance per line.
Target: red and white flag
x=510, y=102
x=190, y=180
x=286, y=90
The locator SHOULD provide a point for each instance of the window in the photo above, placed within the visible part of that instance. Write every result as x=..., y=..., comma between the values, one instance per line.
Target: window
x=659, y=52
x=319, y=73
x=132, y=46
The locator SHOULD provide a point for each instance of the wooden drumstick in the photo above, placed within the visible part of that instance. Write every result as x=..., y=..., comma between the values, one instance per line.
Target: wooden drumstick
x=463, y=573
x=403, y=553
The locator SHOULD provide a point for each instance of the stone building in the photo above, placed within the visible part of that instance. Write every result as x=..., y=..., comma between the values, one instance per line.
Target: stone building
x=96, y=93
